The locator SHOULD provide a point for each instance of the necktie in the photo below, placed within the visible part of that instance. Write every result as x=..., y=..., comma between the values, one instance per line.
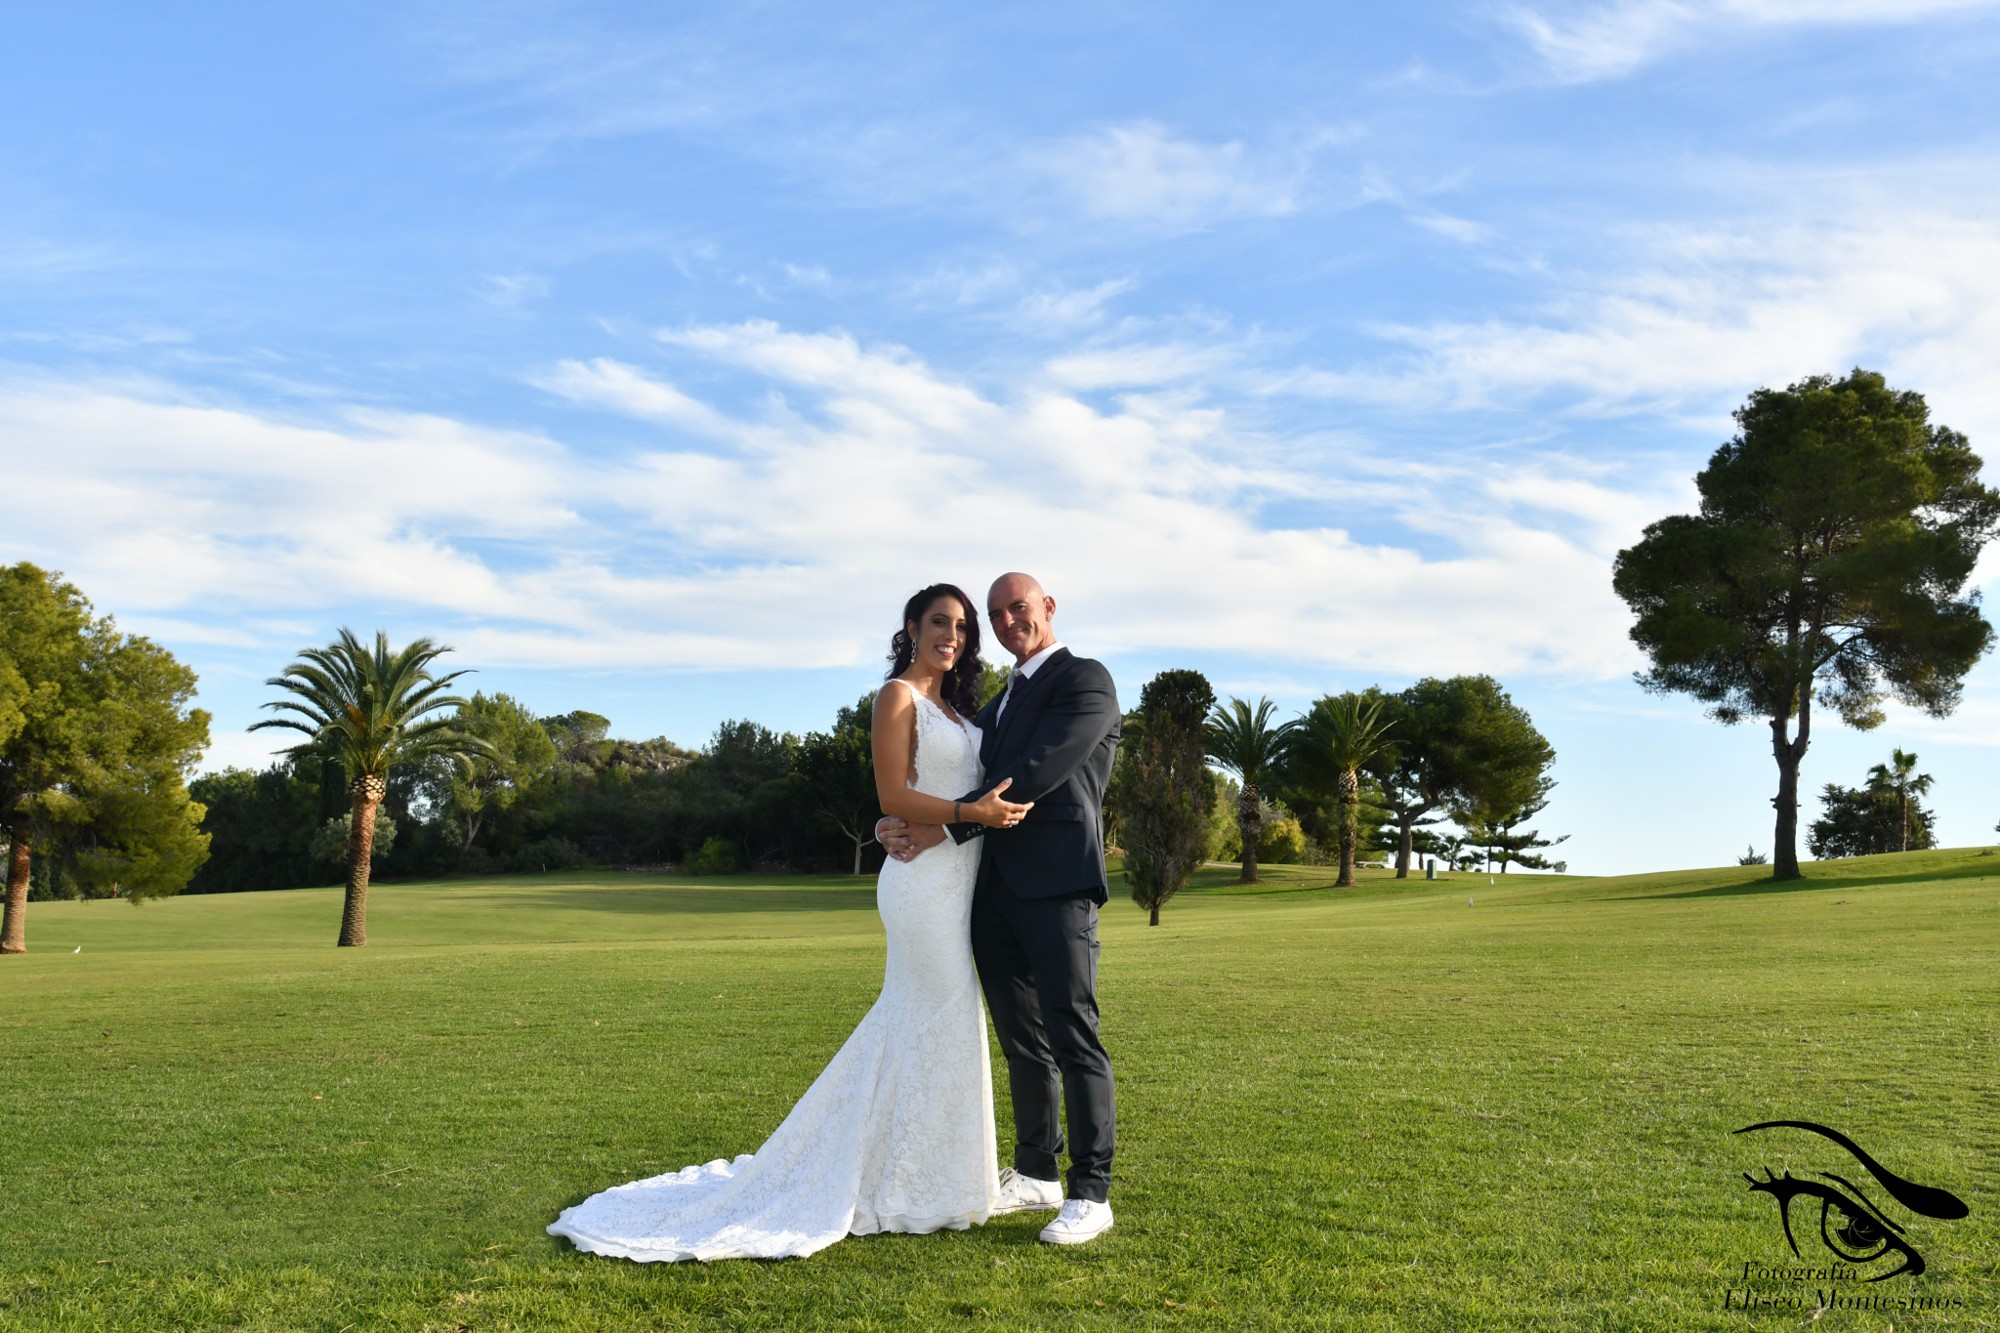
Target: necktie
x=1014, y=683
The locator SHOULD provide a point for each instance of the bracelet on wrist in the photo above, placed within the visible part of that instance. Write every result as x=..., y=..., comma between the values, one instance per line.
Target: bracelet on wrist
x=954, y=812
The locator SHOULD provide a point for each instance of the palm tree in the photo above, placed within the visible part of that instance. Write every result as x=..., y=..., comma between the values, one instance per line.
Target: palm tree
x=1341, y=736
x=1245, y=742
x=1901, y=774
x=367, y=710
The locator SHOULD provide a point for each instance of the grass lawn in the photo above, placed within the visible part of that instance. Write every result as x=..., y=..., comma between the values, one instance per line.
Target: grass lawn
x=1383, y=1108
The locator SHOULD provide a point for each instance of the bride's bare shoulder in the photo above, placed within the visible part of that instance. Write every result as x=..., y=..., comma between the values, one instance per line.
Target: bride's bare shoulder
x=896, y=699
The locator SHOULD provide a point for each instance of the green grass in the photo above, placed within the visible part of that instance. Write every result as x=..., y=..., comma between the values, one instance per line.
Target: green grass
x=1385, y=1108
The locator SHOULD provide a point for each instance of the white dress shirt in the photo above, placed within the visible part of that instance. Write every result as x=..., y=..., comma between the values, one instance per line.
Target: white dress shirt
x=1025, y=671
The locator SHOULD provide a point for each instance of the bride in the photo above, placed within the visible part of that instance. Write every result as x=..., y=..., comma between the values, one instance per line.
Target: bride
x=897, y=1133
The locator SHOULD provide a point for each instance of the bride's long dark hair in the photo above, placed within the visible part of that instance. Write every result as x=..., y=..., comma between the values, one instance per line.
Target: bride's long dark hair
x=960, y=686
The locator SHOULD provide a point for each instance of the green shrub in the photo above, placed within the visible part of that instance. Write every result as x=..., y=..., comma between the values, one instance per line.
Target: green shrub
x=718, y=856
x=1281, y=842
x=329, y=841
x=548, y=854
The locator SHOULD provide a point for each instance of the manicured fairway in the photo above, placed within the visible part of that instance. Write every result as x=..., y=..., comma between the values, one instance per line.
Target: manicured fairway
x=1378, y=1109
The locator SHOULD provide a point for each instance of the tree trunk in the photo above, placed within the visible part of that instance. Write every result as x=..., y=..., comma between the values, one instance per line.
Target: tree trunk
x=1785, y=836
x=859, y=843
x=1350, y=820
x=1405, y=845
x=14, y=933
x=1154, y=919
x=367, y=791
x=1903, y=800
x=472, y=823
x=1249, y=820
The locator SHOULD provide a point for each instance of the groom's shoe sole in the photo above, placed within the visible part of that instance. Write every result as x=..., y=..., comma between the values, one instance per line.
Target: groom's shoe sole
x=1027, y=1208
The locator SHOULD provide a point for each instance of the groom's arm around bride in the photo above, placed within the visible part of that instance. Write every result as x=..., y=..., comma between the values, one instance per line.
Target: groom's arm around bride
x=1052, y=737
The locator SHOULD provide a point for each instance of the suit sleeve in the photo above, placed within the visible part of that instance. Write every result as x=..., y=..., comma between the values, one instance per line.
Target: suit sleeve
x=1067, y=733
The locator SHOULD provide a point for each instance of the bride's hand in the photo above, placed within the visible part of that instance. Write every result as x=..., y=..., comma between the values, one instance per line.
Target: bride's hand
x=993, y=812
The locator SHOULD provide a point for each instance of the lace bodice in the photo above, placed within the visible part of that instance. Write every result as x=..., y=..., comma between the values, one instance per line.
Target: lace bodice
x=947, y=756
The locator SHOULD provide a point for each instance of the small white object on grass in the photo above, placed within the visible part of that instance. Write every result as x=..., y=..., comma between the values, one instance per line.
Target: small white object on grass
x=1468, y=902
x=77, y=949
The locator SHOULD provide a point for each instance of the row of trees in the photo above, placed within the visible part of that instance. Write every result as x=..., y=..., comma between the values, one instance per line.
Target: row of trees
x=1362, y=770
x=504, y=790
x=393, y=771
x=1375, y=771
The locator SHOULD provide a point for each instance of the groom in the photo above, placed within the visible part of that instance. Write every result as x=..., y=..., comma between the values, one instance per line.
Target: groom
x=1054, y=732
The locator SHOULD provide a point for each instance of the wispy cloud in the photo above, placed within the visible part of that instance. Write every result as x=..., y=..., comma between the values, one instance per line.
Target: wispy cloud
x=1684, y=320
x=1142, y=173
x=1009, y=295
x=612, y=384
x=1463, y=230
x=716, y=80
x=1066, y=309
x=510, y=291
x=1589, y=42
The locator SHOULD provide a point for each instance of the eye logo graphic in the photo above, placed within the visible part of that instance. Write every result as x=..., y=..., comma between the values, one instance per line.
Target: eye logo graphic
x=1850, y=1223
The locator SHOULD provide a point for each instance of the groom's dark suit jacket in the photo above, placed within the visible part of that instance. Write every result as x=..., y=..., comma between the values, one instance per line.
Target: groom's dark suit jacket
x=1056, y=740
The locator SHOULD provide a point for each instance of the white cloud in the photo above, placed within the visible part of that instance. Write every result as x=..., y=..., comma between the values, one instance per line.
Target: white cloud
x=957, y=284
x=614, y=385
x=1140, y=173
x=1463, y=230
x=1007, y=295
x=1686, y=321
x=813, y=276
x=1585, y=43
x=1066, y=309
x=785, y=536
x=162, y=504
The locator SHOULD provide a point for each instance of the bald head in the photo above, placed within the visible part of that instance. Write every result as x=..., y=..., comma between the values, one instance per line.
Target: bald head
x=1022, y=615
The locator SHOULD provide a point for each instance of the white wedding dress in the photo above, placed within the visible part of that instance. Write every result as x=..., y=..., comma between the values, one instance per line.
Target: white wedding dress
x=897, y=1133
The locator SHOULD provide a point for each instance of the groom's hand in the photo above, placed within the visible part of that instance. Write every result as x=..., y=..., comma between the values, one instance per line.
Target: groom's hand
x=904, y=840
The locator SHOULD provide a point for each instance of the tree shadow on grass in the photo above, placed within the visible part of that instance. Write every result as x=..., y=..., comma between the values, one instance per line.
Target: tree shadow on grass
x=1811, y=883
x=1747, y=888
x=674, y=900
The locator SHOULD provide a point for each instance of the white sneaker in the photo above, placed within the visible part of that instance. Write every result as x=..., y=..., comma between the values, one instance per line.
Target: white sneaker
x=1080, y=1220
x=1021, y=1194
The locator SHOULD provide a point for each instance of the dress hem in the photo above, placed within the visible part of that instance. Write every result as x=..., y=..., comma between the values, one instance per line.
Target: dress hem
x=799, y=1249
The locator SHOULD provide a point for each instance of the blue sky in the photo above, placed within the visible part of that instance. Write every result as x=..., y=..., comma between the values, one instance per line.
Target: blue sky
x=651, y=355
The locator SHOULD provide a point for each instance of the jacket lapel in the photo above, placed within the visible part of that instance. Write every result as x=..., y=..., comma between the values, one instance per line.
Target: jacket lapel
x=1030, y=689
x=989, y=734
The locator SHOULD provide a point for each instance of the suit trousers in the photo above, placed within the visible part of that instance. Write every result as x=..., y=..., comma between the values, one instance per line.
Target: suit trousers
x=1037, y=960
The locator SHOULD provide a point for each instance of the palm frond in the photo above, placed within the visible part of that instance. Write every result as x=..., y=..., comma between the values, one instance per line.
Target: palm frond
x=1244, y=740
x=370, y=707
x=1343, y=734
